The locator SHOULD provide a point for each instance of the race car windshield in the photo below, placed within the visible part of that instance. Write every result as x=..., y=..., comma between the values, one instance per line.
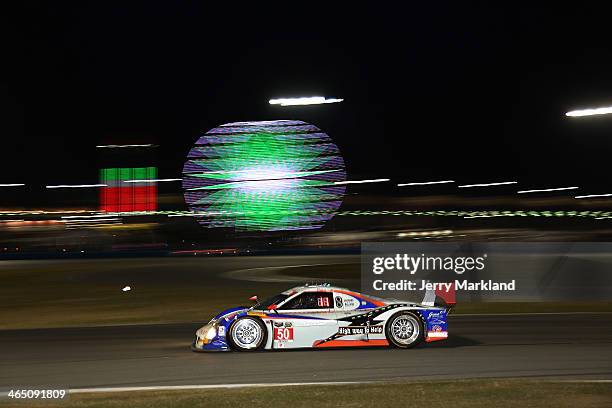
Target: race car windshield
x=274, y=300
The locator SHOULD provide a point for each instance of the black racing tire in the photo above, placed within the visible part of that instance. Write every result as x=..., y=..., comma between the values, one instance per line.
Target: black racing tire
x=404, y=338
x=247, y=334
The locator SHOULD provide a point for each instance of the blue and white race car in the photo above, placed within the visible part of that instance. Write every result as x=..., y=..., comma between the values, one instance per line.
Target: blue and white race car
x=316, y=316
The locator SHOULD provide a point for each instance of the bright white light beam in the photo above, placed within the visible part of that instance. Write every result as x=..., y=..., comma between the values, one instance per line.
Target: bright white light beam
x=501, y=183
x=12, y=185
x=77, y=186
x=307, y=100
x=547, y=190
x=594, y=196
x=426, y=183
x=361, y=181
x=589, y=112
x=152, y=180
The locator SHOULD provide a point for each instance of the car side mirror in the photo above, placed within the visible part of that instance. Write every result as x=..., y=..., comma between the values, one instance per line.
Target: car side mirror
x=253, y=298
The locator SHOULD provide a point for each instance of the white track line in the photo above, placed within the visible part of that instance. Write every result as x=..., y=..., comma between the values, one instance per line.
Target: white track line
x=205, y=387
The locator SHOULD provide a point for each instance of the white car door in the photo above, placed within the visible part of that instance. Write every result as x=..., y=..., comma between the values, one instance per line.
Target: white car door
x=307, y=318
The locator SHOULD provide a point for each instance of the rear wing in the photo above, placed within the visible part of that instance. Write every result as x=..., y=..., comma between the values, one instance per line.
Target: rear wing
x=443, y=297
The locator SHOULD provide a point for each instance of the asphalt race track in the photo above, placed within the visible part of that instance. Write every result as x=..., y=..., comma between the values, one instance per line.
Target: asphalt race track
x=568, y=346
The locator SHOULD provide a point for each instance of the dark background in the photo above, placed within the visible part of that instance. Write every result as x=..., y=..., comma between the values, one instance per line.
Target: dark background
x=461, y=91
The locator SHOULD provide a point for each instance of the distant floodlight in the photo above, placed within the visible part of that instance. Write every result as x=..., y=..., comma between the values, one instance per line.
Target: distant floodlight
x=594, y=196
x=547, y=190
x=126, y=289
x=502, y=183
x=77, y=186
x=307, y=100
x=590, y=112
x=426, y=183
x=12, y=185
x=361, y=181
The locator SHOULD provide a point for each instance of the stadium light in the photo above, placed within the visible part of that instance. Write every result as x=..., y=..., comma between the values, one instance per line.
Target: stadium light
x=589, y=112
x=307, y=100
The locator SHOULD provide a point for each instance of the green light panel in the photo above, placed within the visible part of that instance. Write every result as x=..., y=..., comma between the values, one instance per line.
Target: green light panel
x=264, y=176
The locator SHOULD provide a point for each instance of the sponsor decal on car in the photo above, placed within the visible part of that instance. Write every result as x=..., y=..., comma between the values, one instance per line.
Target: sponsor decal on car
x=437, y=333
x=436, y=317
x=221, y=331
x=350, y=303
x=346, y=301
x=353, y=330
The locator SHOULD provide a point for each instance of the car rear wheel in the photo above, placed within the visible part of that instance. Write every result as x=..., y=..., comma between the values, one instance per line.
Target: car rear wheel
x=247, y=334
x=404, y=330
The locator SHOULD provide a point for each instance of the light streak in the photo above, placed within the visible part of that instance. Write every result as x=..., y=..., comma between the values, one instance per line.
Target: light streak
x=361, y=181
x=426, y=183
x=115, y=146
x=307, y=100
x=152, y=180
x=594, y=196
x=545, y=190
x=589, y=112
x=501, y=183
x=77, y=186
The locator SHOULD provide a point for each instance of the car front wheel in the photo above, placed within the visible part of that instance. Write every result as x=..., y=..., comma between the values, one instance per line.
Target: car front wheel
x=247, y=334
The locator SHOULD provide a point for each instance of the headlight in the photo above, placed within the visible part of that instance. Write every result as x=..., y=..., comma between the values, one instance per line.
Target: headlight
x=211, y=333
x=206, y=334
x=201, y=332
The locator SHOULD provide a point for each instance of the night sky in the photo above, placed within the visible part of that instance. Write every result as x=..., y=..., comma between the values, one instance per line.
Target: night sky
x=456, y=91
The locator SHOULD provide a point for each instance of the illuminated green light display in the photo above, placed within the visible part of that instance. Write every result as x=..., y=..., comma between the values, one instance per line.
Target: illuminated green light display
x=264, y=176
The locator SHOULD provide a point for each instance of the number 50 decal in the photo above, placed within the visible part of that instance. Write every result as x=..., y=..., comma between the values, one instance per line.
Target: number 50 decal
x=283, y=333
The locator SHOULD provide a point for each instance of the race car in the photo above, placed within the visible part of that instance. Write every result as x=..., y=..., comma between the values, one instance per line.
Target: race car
x=317, y=316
